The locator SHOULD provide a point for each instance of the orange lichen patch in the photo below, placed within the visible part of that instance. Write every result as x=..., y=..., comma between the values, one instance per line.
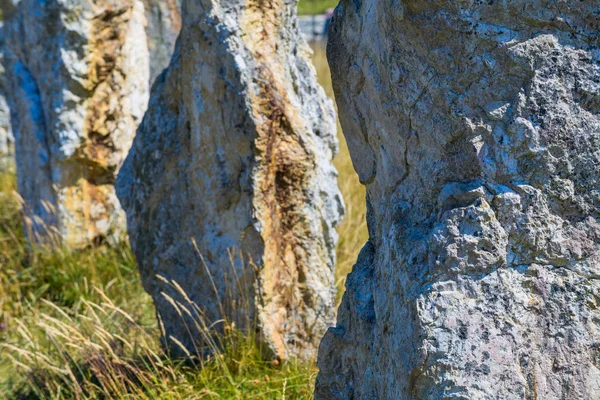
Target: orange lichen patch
x=106, y=39
x=175, y=15
x=282, y=180
x=282, y=177
x=90, y=208
x=105, y=77
x=89, y=198
x=82, y=91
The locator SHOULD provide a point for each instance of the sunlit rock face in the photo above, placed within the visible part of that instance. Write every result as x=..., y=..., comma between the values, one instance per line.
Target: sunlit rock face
x=6, y=137
x=78, y=77
x=163, y=23
x=235, y=154
x=476, y=128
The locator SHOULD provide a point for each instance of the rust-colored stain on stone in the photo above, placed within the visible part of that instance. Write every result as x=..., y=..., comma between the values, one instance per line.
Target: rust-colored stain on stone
x=91, y=78
x=283, y=176
x=235, y=153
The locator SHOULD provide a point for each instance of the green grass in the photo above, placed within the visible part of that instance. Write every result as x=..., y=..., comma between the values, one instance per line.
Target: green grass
x=315, y=7
x=78, y=325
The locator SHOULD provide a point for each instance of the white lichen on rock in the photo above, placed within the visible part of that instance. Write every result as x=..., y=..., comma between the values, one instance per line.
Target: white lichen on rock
x=78, y=76
x=235, y=152
x=7, y=139
x=476, y=128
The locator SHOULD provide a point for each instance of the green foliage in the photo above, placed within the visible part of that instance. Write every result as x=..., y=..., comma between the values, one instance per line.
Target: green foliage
x=315, y=7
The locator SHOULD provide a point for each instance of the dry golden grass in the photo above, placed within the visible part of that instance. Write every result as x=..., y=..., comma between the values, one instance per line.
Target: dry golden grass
x=78, y=325
x=314, y=7
x=353, y=230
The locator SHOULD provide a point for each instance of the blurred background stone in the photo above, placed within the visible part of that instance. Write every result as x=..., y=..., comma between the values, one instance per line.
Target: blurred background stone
x=78, y=77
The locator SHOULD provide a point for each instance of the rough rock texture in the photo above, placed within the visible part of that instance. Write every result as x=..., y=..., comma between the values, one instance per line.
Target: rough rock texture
x=476, y=127
x=163, y=23
x=78, y=81
x=235, y=153
x=6, y=137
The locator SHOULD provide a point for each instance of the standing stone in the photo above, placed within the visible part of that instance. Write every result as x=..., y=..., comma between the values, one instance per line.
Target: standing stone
x=78, y=75
x=476, y=128
x=6, y=137
x=235, y=154
x=163, y=23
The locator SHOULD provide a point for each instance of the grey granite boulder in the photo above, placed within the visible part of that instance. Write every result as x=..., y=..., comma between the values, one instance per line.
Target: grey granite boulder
x=78, y=77
x=476, y=128
x=235, y=155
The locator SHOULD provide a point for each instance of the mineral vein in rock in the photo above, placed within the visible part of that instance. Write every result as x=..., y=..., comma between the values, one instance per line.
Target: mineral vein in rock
x=78, y=75
x=235, y=155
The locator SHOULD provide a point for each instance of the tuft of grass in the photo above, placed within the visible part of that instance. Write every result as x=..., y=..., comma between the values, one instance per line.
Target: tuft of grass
x=78, y=325
x=315, y=7
x=102, y=351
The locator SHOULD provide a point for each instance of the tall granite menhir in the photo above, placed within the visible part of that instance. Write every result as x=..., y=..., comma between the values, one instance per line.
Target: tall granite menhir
x=475, y=126
x=235, y=154
x=78, y=74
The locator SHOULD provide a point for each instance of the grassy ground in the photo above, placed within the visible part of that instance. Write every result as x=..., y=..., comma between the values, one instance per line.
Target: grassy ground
x=353, y=230
x=314, y=7
x=78, y=325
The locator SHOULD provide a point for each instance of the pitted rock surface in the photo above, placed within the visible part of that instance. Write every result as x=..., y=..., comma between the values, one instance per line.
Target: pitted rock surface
x=476, y=128
x=235, y=155
x=78, y=77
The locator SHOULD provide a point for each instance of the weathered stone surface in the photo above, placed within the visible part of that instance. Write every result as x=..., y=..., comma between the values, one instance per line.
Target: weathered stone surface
x=78, y=81
x=163, y=23
x=476, y=128
x=6, y=137
x=235, y=153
